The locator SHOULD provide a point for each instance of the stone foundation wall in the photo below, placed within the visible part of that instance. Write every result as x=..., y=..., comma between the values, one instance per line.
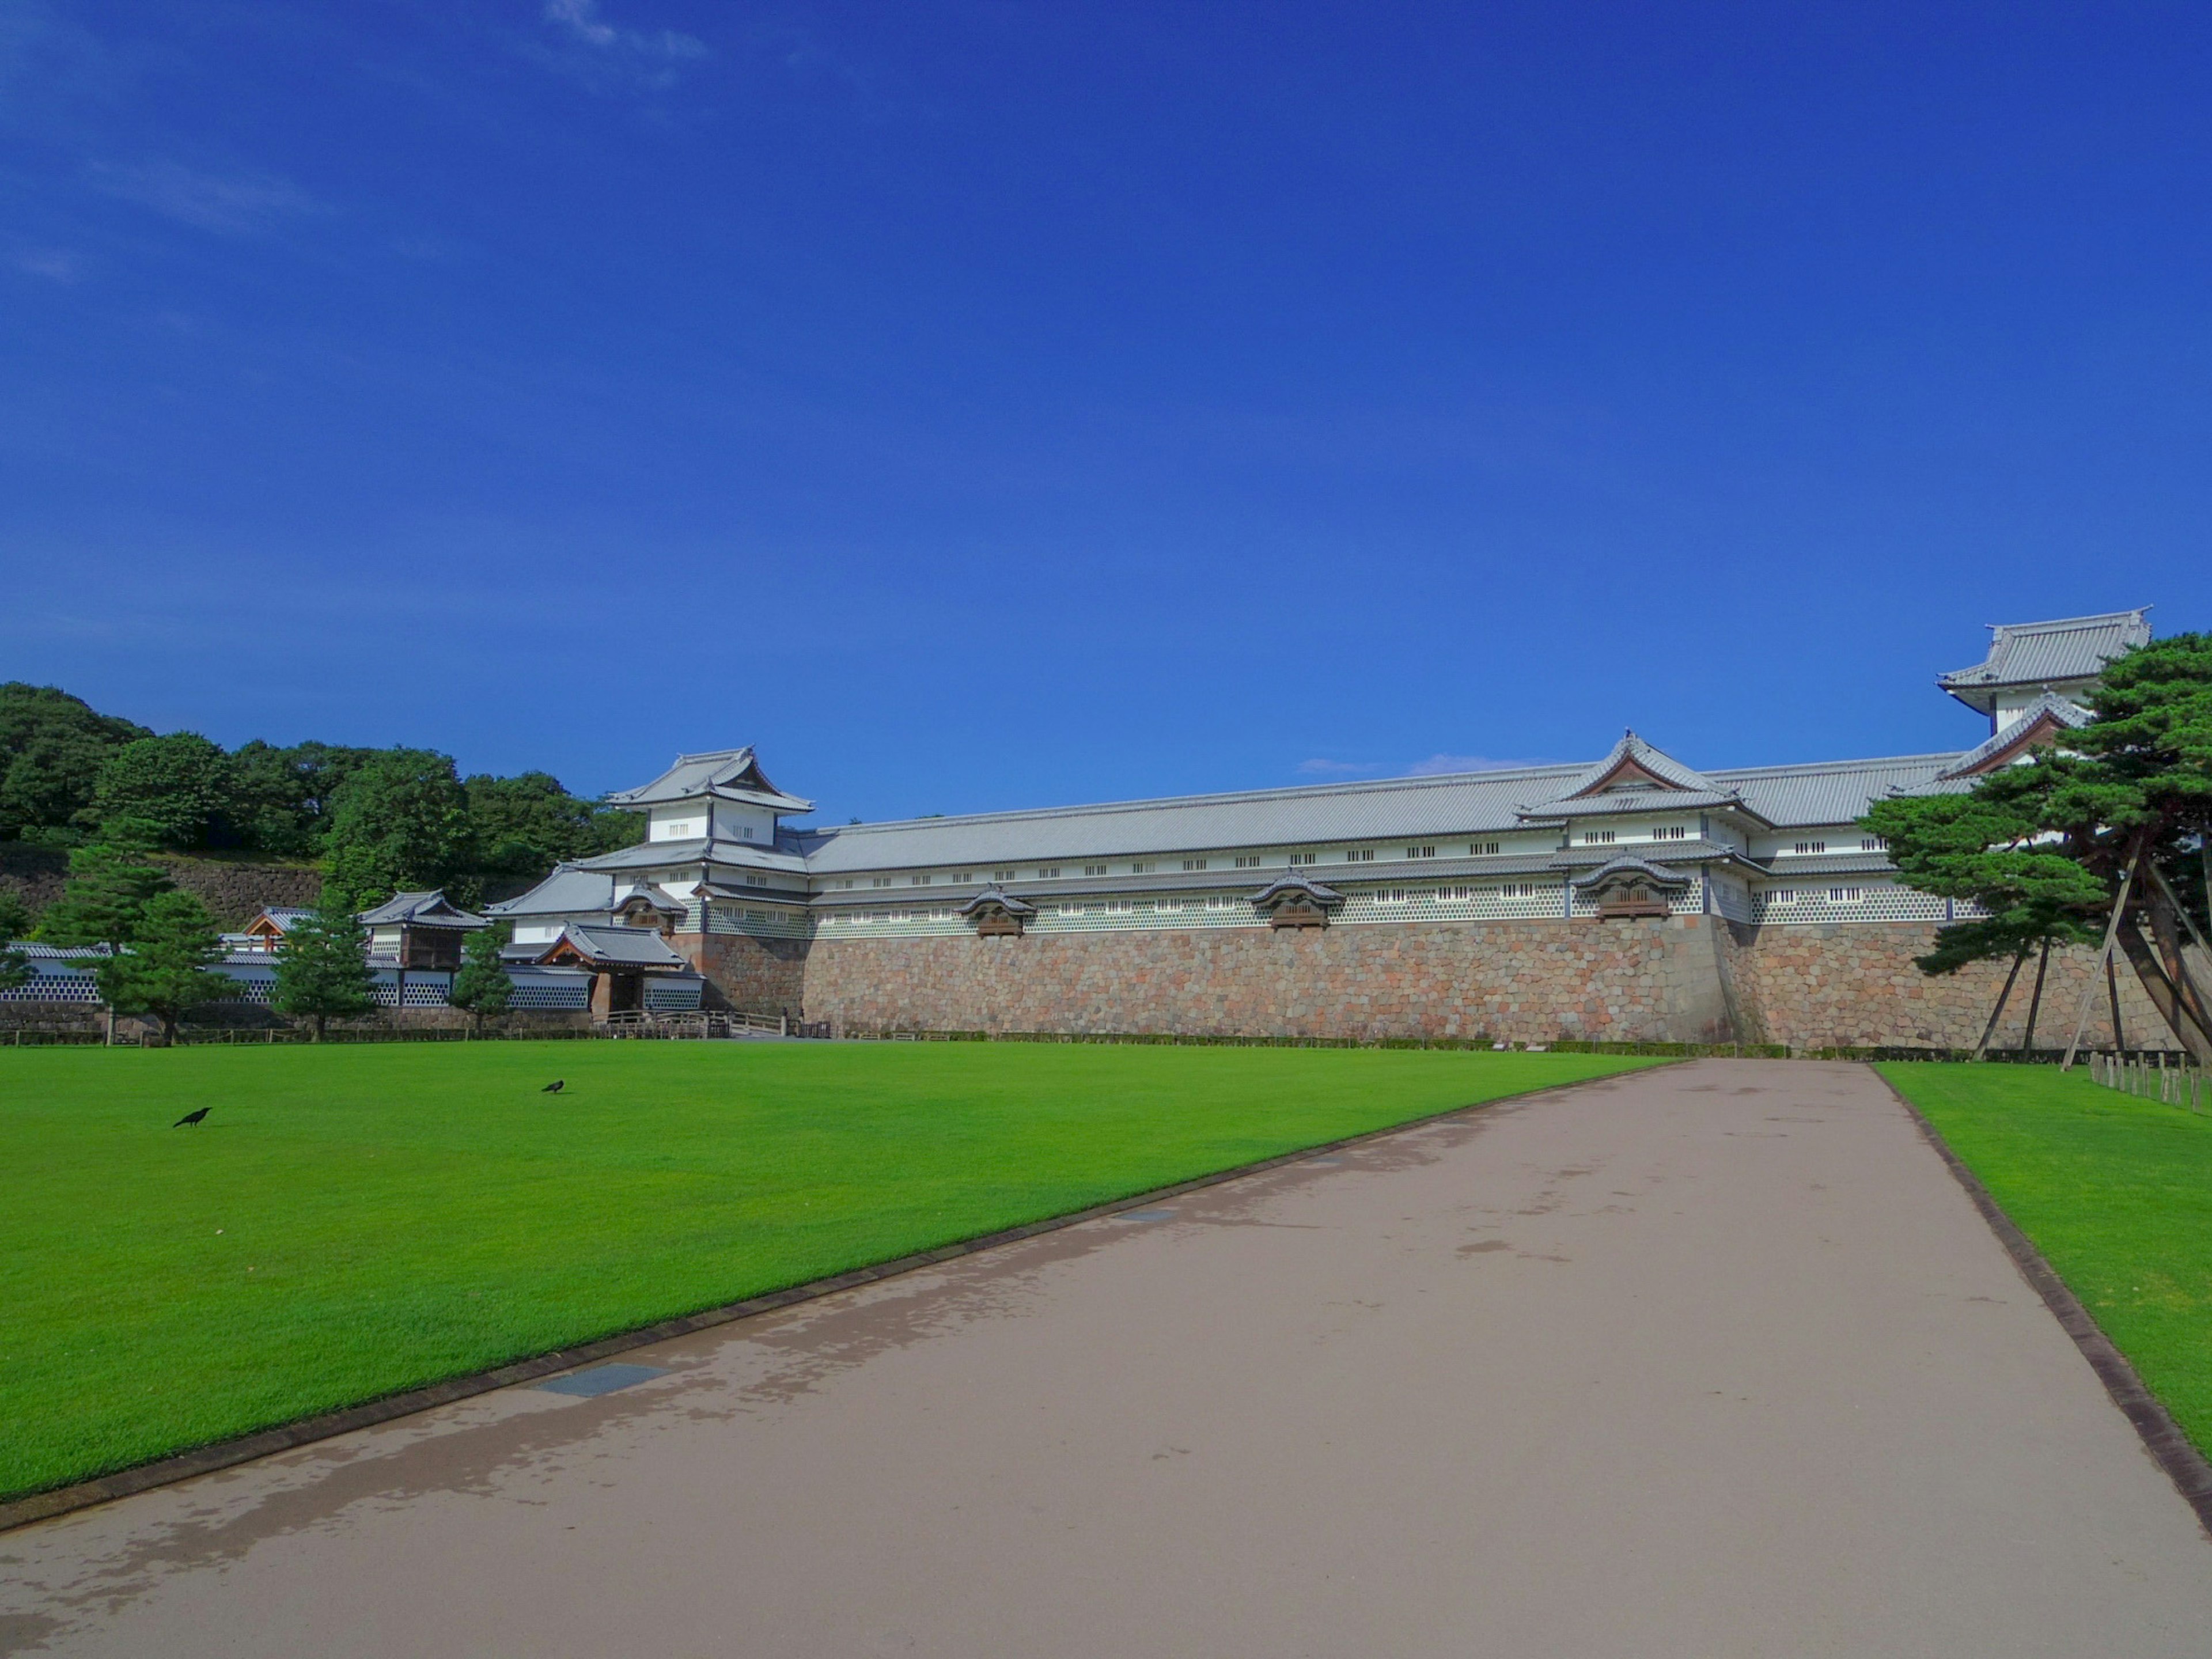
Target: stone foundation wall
x=1851, y=987
x=1651, y=981
x=759, y=975
x=1688, y=979
x=235, y=893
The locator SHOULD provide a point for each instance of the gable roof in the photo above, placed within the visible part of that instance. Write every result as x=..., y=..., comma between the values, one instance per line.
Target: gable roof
x=1634, y=777
x=724, y=773
x=430, y=909
x=618, y=947
x=995, y=897
x=2049, y=714
x=1614, y=869
x=573, y=889
x=2068, y=650
x=281, y=918
x=1296, y=887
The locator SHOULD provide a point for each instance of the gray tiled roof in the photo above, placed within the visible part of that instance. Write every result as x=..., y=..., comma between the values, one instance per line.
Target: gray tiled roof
x=675, y=854
x=995, y=897
x=1296, y=885
x=629, y=947
x=725, y=774
x=1633, y=751
x=1400, y=810
x=1614, y=803
x=1792, y=797
x=2047, y=653
x=573, y=890
x=1832, y=864
x=2071, y=715
x=1655, y=874
x=430, y=909
x=1658, y=852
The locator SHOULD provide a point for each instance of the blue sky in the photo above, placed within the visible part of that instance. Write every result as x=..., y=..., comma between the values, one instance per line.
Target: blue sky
x=981, y=405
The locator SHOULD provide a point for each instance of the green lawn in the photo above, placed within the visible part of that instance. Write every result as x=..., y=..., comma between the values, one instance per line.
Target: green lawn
x=352, y=1221
x=2115, y=1192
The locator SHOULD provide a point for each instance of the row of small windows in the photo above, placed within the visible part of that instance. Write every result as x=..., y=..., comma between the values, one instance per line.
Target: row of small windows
x=1834, y=895
x=1350, y=855
x=1217, y=902
x=1144, y=868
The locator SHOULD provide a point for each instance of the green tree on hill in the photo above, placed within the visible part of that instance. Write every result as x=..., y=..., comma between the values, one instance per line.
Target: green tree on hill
x=322, y=968
x=2045, y=846
x=401, y=823
x=526, y=824
x=53, y=747
x=165, y=970
x=181, y=787
x=285, y=798
x=481, y=985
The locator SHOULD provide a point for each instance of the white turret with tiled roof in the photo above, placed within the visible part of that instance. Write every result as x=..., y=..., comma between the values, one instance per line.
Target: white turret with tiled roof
x=2025, y=660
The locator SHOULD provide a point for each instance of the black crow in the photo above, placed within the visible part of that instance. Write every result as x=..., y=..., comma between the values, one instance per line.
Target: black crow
x=555, y=1087
x=190, y=1117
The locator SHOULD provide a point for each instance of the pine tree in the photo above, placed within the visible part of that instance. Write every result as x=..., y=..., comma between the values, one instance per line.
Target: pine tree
x=482, y=986
x=322, y=968
x=2045, y=846
x=164, y=970
x=110, y=883
x=104, y=900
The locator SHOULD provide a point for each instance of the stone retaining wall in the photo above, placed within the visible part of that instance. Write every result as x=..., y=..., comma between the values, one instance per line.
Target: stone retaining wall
x=1525, y=981
x=235, y=893
x=1853, y=987
x=1687, y=979
x=758, y=976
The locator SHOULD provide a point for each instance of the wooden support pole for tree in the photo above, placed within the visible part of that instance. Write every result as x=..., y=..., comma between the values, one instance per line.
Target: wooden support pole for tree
x=2003, y=997
x=2166, y=909
x=2104, y=955
x=2165, y=995
x=2112, y=990
x=2035, y=1002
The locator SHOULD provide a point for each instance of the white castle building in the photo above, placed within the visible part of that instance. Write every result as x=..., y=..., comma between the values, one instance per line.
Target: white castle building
x=867, y=923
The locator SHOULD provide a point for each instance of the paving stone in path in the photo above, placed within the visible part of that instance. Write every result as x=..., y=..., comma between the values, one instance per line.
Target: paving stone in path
x=1712, y=1361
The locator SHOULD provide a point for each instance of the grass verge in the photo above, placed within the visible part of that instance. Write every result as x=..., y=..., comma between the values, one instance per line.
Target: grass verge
x=2116, y=1193
x=351, y=1222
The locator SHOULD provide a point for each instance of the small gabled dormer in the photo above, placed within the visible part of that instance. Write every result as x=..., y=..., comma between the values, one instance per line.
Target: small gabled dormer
x=1640, y=793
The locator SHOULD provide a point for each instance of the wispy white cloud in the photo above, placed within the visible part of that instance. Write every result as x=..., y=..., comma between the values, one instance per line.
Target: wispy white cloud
x=1332, y=768
x=55, y=265
x=599, y=50
x=234, y=204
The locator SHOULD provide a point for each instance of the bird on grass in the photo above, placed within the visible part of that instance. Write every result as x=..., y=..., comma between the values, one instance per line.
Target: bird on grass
x=190, y=1117
x=555, y=1087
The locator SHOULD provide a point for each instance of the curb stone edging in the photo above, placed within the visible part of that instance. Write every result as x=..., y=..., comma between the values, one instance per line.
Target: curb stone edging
x=303, y=1431
x=2162, y=1438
